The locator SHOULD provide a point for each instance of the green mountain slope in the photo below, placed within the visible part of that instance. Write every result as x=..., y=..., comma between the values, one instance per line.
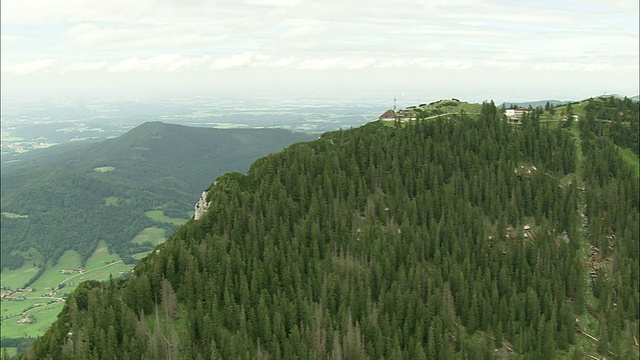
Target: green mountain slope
x=461, y=237
x=73, y=197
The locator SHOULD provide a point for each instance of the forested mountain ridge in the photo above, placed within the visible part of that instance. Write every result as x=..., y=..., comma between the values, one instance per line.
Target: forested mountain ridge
x=100, y=190
x=458, y=237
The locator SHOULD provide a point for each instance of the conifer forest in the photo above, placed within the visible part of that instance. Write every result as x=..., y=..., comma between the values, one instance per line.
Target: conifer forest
x=463, y=236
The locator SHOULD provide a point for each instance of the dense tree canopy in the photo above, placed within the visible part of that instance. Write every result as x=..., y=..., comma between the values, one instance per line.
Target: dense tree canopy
x=449, y=238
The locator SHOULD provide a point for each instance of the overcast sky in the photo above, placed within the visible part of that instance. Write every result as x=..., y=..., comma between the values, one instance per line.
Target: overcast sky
x=410, y=49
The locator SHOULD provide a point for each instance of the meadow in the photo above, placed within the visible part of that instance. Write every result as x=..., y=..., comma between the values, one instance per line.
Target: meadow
x=159, y=216
x=153, y=235
x=100, y=266
x=17, y=278
x=111, y=201
x=11, y=215
x=104, y=169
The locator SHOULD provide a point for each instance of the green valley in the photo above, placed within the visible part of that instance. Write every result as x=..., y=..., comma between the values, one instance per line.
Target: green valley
x=101, y=206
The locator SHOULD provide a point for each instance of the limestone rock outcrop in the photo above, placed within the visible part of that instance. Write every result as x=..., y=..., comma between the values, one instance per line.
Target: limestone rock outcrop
x=201, y=206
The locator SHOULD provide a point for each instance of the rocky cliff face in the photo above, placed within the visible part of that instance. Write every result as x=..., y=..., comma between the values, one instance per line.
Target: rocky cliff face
x=201, y=206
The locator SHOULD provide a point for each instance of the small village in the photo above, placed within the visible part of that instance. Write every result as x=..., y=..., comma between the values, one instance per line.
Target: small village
x=19, y=294
x=8, y=294
x=54, y=295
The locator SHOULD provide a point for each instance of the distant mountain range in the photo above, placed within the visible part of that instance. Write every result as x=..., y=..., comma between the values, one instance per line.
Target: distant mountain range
x=536, y=103
x=554, y=102
x=71, y=197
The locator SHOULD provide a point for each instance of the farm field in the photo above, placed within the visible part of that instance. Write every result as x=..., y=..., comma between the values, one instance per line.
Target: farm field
x=18, y=277
x=153, y=235
x=44, y=312
x=110, y=201
x=45, y=309
x=159, y=216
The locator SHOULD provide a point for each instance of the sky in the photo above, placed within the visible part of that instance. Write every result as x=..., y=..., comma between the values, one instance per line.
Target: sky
x=413, y=50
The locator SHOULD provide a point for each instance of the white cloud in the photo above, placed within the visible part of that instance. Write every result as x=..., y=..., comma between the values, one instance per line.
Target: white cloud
x=466, y=38
x=165, y=63
x=86, y=66
x=597, y=67
x=423, y=63
x=28, y=67
x=357, y=64
x=456, y=65
x=305, y=31
x=9, y=38
x=337, y=63
x=612, y=5
x=261, y=58
x=284, y=62
x=433, y=47
x=89, y=35
x=507, y=61
x=320, y=64
x=239, y=60
x=506, y=64
x=65, y=11
x=572, y=66
x=273, y=2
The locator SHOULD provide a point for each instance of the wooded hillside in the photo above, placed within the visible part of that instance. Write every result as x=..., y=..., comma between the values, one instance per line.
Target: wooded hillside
x=74, y=196
x=457, y=237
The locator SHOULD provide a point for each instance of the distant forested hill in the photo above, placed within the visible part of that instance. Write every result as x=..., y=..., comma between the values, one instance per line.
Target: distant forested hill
x=459, y=237
x=71, y=197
